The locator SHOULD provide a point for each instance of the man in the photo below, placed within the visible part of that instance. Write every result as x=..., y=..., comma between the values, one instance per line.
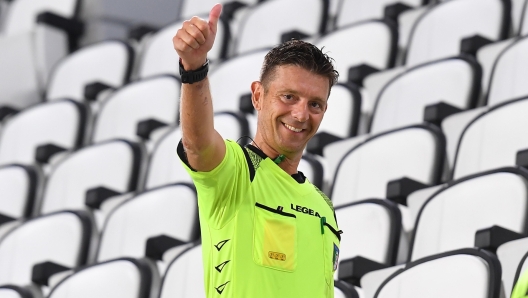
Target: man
x=266, y=232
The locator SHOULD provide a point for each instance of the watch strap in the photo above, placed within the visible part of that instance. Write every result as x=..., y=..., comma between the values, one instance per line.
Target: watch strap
x=193, y=76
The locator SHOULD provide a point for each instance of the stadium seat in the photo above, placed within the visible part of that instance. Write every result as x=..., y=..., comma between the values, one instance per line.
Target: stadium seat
x=342, y=116
x=510, y=68
x=402, y=102
x=108, y=63
x=377, y=48
x=139, y=107
x=511, y=255
x=62, y=238
x=312, y=169
x=18, y=186
x=120, y=278
x=372, y=230
x=165, y=167
x=344, y=290
x=35, y=36
x=311, y=22
x=486, y=56
x=91, y=175
x=451, y=217
x=456, y=274
x=184, y=276
x=159, y=57
x=193, y=8
x=170, y=210
x=415, y=152
x=231, y=81
x=459, y=19
x=61, y=123
x=523, y=27
x=492, y=139
x=521, y=269
x=353, y=11
x=14, y=292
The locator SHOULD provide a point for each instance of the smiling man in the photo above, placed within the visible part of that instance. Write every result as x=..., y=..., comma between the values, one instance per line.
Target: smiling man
x=266, y=230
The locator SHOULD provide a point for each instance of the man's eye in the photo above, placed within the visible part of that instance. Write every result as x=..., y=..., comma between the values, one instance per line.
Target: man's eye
x=316, y=105
x=288, y=96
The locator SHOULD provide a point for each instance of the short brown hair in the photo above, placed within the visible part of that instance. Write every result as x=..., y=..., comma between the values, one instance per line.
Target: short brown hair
x=302, y=54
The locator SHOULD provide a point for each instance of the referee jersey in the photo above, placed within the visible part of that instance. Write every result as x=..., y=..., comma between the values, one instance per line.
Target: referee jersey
x=264, y=233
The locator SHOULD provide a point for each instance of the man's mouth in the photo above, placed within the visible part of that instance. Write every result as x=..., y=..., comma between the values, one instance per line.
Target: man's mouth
x=292, y=128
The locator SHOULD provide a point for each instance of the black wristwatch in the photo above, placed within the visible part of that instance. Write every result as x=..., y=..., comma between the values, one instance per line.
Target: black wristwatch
x=193, y=76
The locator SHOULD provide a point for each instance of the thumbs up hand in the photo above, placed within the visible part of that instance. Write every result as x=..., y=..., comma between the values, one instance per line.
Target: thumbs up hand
x=196, y=38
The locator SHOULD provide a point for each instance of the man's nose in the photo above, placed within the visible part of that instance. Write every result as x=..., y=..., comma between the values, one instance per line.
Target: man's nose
x=300, y=111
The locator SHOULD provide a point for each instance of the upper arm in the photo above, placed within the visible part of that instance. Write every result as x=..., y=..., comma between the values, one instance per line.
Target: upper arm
x=209, y=157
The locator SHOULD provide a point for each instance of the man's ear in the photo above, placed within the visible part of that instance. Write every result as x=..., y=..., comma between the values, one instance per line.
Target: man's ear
x=257, y=95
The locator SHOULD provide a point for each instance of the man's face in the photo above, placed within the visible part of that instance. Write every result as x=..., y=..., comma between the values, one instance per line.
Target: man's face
x=290, y=107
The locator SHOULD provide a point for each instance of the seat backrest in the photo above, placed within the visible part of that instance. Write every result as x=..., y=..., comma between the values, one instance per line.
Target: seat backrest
x=61, y=123
x=511, y=254
x=14, y=292
x=18, y=185
x=372, y=228
x=456, y=274
x=343, y=111
x=123, y=278
x=510, y=68
x=523, y=27
x=345, y=290
x=415, y=152
x=159, y=56
x=458, y=19
x=192, y=8
x=165, y=167
x=113, y=165
x=352, y=11
x=455, y=81
x=62, y=238
x=107, y=62
x=184, y=276
x=169, y=210
x=492, y=139
x=22, y=14
x=233, y=78
x=372, y=43
x=156, y=98
x=451, y=217
x=312, y=169
x=311, y=21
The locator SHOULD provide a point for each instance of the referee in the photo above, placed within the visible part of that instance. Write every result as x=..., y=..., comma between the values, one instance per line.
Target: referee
x=266, y=230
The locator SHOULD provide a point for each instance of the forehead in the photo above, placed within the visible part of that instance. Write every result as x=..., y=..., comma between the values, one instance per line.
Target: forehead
x=300, y=80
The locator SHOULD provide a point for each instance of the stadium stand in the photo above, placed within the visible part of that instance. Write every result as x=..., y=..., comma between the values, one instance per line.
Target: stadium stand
x=422, y=149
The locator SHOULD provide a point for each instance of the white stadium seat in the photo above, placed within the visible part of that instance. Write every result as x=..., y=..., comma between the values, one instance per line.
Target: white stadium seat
x=156, y=98
x=352, y=11
x=185, y=276
x=510, y=255
x=120, y=278
x=14, y=292
x=18, y=186
x=456, y=274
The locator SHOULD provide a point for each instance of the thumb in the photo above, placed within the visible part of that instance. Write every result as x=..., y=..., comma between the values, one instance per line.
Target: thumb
x=214, y=15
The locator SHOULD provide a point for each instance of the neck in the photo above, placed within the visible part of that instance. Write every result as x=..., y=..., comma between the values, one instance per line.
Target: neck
x=288, y=163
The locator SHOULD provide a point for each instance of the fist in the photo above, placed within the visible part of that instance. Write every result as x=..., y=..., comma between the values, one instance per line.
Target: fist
x=195, y=39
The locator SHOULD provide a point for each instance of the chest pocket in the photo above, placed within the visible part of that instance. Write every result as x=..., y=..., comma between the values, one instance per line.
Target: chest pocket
x=331, y=241
x=275, y=238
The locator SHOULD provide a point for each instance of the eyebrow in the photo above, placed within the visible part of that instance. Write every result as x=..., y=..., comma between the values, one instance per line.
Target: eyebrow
x=297, y=93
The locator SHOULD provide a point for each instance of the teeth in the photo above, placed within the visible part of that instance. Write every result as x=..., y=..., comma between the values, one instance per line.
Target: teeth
x=292, y=128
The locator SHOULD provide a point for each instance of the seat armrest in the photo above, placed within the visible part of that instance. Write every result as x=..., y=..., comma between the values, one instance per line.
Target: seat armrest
x=393, y=11
x=92, y=90
x=43, y=271
x=157, y=246
x=229, y=9
x=246, y=104
x=521, y=158
x=470, y=45
x=352, y=270
x=294, y=34
x=7, y=111
x=96, y=196
x=146, y=127
x=491, y=238
x=399, y=189
x=5, y=219
x=71, y=26
x=138, y=32
x=43, y=153
x=437, y=112
x=319, y=141
x=356, y=74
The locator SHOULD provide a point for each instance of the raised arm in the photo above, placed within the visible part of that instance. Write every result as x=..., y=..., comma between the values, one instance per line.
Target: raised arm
x=204, y=146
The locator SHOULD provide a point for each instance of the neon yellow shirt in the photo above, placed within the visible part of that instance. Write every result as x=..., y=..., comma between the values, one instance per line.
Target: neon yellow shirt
x=521, y=287
x=263, y=233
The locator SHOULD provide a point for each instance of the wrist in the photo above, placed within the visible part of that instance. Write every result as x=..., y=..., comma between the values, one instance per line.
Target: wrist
x=190, y=66
x=194, y=75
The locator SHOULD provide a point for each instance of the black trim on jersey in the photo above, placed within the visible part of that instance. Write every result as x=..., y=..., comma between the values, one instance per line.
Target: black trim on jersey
x=251, y=167
x=299, y=176
x=495, y=270
x=518, y=272
x=277, y=211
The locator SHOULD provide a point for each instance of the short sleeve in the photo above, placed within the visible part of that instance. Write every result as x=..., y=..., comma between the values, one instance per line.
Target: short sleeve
x=220, y=190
